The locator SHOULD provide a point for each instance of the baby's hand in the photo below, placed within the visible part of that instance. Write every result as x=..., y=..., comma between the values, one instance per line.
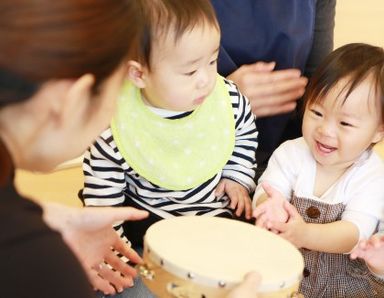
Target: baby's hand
x=372, y=252
x=238, y=195
x=272, y=209
x=294, y=230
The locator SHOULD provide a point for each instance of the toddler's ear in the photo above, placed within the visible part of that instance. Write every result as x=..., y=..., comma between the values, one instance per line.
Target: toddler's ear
x=379, y=135
x=135, y=73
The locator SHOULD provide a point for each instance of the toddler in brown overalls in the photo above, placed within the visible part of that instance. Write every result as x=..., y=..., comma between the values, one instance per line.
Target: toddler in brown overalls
x=325, y=191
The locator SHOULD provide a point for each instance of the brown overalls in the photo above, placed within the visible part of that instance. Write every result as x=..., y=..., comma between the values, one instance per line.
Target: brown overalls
x=332, y=275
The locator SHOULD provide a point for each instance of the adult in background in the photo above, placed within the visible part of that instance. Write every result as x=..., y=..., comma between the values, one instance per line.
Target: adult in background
x=269, y=49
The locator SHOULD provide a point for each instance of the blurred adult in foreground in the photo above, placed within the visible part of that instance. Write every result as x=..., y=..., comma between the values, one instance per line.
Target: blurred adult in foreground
x=60, y=71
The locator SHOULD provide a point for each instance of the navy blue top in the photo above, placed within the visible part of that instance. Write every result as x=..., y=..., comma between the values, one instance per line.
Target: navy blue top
x=273, y=30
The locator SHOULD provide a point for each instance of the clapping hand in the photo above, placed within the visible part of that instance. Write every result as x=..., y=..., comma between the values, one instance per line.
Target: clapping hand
x=372, y=252
x=271, y=209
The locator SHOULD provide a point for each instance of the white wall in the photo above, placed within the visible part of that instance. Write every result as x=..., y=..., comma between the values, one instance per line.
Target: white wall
x=359, y=21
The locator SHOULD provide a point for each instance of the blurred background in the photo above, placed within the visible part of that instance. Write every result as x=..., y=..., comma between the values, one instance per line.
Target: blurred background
x=356, y=21
x=359, y=21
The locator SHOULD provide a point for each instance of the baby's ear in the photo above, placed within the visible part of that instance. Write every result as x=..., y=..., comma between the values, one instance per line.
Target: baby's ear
x=136, y=73
x=379, y=135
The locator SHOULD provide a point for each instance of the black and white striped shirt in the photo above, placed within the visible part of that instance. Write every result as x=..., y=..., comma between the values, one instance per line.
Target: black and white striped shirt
x=110, y=181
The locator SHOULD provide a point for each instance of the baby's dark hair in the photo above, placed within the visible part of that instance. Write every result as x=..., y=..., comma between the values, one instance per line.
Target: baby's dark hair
x=160, y=18
x=355, y=61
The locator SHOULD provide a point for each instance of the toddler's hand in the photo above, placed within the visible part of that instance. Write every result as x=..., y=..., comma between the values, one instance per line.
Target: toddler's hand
x=294, y=230
x=372, y=252
x=272, y=209
x=238, y=195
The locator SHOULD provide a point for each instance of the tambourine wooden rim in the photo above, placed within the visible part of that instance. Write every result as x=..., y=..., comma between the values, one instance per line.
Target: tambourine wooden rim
x=272, y=281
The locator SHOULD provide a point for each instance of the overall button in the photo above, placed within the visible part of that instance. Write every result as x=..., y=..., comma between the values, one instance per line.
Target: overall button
x=313, y=212
x=306, y=272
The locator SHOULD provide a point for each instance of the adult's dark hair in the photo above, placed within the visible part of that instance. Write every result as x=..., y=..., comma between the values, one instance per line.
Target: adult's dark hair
x=355, y=62
x=162, y=18
x=41, y=40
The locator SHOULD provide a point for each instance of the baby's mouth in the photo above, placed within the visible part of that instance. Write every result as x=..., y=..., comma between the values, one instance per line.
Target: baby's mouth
x=325, y=148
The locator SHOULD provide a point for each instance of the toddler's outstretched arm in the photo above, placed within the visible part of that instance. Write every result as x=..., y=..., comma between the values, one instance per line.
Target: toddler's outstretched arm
x=372, y=252
x=335, y=237
x=270, y=207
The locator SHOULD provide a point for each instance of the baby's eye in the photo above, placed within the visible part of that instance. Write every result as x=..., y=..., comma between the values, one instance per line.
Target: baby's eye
x=317, y=113
x=191, y=73
x=343, y=123
x=213, y=62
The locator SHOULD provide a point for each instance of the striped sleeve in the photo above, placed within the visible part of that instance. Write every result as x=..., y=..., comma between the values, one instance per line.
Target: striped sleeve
x=104, y=175
x=242, y=164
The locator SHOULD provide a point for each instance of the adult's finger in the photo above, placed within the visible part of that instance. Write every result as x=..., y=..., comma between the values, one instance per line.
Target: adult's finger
x=277, y=92
x=124, y=249
x=121, y=213
x=261, y=66
x=248, y=288
x=114, y=277
x=99, y=283
x=100, y=216
x=277, y=76
x=119, y=265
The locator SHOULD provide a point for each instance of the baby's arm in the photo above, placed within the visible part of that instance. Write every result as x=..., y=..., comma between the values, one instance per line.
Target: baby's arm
x=104, y=173
x=269, y=206
x=372, y=252
x=336, y=237
x=240, y=168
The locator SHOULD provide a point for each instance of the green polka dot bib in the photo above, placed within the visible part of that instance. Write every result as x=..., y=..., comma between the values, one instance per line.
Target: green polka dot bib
x=175, y=154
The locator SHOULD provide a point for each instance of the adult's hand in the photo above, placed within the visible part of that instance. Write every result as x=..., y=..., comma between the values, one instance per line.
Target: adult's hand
x=89, y=233
x=270, y=92
x=248, y=288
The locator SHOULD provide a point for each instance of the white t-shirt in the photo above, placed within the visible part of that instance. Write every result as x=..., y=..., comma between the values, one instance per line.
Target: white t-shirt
x=292, y=169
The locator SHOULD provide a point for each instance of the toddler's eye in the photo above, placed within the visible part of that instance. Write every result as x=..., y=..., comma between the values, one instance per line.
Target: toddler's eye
x=213, y=62
x=317, y=113
x=191, y=73
x=343, y=123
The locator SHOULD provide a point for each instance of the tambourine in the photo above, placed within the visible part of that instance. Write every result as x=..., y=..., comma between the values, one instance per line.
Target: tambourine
x=199, y=256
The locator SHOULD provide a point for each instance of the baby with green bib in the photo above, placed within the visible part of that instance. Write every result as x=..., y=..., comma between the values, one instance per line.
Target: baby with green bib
x=183, y=140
